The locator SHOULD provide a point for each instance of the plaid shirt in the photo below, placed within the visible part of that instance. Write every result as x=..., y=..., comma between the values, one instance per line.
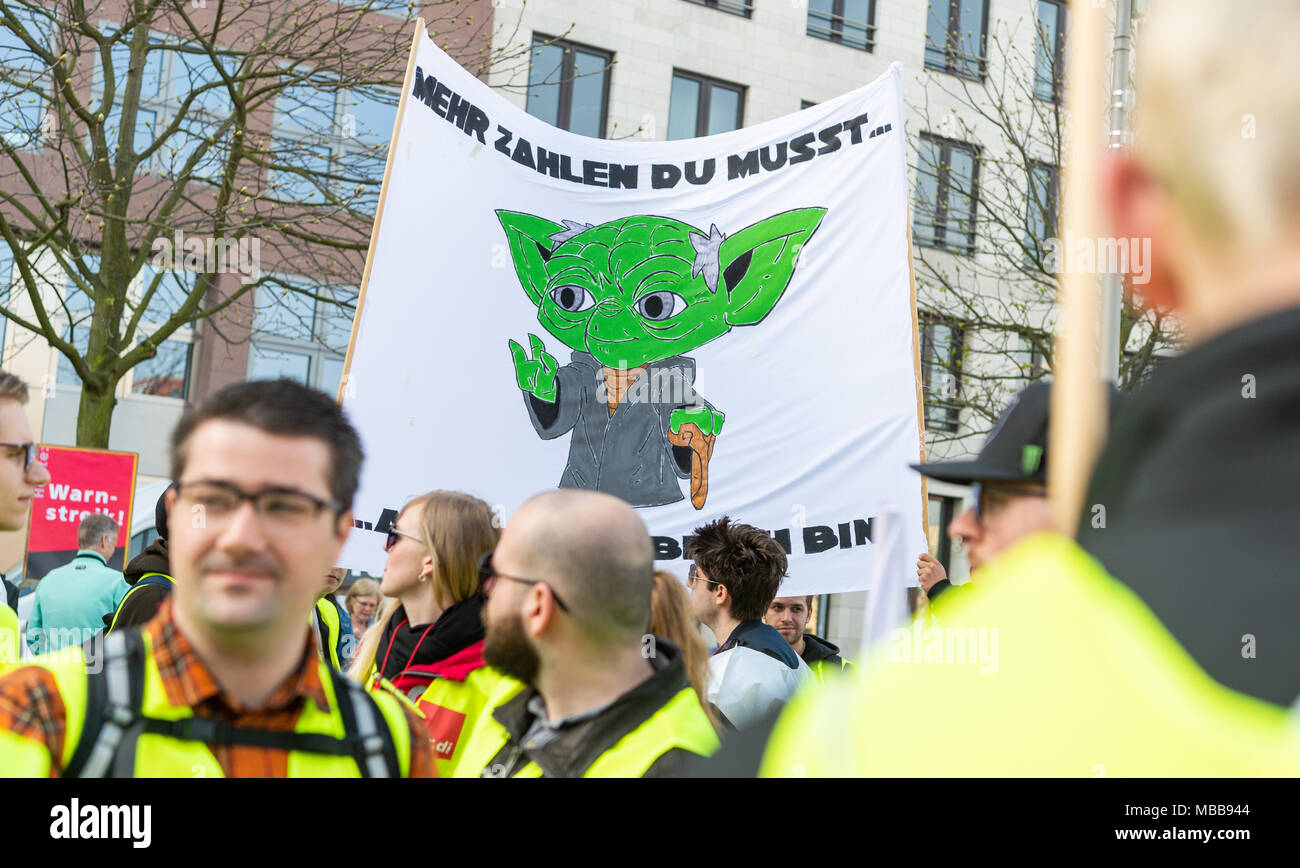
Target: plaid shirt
x=31, y=706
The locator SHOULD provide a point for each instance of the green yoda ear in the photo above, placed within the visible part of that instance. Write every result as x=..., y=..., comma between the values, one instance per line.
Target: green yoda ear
x=758, y=261
x=530, y=246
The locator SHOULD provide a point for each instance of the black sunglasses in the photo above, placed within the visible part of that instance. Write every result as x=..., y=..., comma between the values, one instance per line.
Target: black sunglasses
x=487, y=576
x=394, y=535
x=980, y=489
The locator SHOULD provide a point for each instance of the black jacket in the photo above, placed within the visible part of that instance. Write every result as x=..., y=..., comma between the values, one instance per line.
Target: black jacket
x=816, y=650
x=404, y=646
x=141, y=606
x=1201, y=519
x=579, y=745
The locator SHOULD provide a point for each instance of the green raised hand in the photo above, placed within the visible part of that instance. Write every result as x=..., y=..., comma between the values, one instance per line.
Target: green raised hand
x=708, y=421
x=535, y=375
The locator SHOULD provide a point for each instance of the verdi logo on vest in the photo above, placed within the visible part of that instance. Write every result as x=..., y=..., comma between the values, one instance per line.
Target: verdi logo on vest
x=131, y=822
x=444, y=727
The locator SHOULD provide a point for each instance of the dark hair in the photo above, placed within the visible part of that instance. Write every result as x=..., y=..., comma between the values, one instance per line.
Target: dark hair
x=743, y=558
x=288, y=409
x=12, y=387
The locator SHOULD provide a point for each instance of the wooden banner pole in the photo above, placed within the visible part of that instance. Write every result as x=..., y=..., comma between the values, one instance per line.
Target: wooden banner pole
x=379, y=210
x=1077, y=411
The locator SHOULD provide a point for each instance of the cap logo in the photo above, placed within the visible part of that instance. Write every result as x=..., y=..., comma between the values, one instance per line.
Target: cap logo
x=1031, y=457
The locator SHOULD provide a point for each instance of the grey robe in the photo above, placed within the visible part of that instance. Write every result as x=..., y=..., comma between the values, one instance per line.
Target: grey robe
x=627, y=454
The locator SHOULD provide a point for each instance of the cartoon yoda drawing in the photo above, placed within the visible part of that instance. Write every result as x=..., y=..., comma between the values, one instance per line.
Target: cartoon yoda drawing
x=629, y=297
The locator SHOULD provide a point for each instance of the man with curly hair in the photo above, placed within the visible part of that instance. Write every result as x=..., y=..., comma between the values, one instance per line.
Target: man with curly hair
x=735, y=574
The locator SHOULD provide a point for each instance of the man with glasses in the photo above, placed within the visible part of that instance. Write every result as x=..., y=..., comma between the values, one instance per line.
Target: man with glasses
x=20, y=475
x=734, y=576
x=1008, y=482
x=225, y=680
x=568, y=610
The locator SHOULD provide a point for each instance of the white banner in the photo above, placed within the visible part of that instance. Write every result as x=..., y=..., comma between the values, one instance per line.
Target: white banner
x=703, y=327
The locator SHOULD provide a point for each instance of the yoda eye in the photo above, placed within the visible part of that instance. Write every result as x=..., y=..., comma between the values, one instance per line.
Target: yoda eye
x=572, y=298
x=660, y=305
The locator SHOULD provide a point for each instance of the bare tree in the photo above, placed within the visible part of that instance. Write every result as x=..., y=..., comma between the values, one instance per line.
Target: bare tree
x=987, y=172
x=160, y=160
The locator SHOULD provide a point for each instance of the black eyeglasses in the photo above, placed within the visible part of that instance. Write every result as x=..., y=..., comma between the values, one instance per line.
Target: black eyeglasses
x=29, y=453
x=693, y=576
x=488, y=575
x=394, y=535
x=980, y=490
x=282, y=506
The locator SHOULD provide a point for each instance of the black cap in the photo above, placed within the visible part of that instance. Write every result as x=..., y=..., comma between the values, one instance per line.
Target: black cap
x=1016, y=448
x=160, y=512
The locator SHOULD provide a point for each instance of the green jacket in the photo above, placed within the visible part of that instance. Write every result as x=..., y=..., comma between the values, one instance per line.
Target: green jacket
x=70, y=602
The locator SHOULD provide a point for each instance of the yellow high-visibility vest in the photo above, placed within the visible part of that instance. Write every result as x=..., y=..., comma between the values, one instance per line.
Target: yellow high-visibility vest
x=358, y=736
x=680, y=723
x=1053, y=669
x=325, y=620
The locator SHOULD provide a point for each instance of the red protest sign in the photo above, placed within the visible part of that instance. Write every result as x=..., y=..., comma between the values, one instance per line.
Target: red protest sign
x=82, y=481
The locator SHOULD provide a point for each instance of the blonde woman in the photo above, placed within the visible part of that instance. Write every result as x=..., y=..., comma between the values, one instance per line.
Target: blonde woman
x=428, y=643
x=671, y=618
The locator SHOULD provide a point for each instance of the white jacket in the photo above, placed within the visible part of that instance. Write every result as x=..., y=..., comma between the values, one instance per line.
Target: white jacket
x=753, y=672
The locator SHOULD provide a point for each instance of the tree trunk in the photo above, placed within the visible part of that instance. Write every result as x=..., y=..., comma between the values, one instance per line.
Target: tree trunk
x=94, y=416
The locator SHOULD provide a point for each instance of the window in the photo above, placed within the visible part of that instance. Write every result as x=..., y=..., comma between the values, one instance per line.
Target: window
x=167, y=374
x=1030, y=363
x=946, y=190
x=22, y=80
x=941, y=511
x=74, y=310
x=169, y=77
x=1040, y=216
x=568, y=86
x=1049, y=50
x=955, y=36
x=736, y=7
x=323, y=129
x=851, y=22
x=701, y=106
x=299, y=336
x=941, y=357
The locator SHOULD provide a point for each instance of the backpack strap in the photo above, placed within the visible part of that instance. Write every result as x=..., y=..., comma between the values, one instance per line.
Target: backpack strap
x=154, y=579
x=376, y=754
x=115, y=721
x=114, y=695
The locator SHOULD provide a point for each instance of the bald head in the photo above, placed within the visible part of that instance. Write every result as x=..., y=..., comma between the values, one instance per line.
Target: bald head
x=595, y=551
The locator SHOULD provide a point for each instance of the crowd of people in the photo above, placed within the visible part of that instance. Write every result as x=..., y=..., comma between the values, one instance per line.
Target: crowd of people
x=1160, y=643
